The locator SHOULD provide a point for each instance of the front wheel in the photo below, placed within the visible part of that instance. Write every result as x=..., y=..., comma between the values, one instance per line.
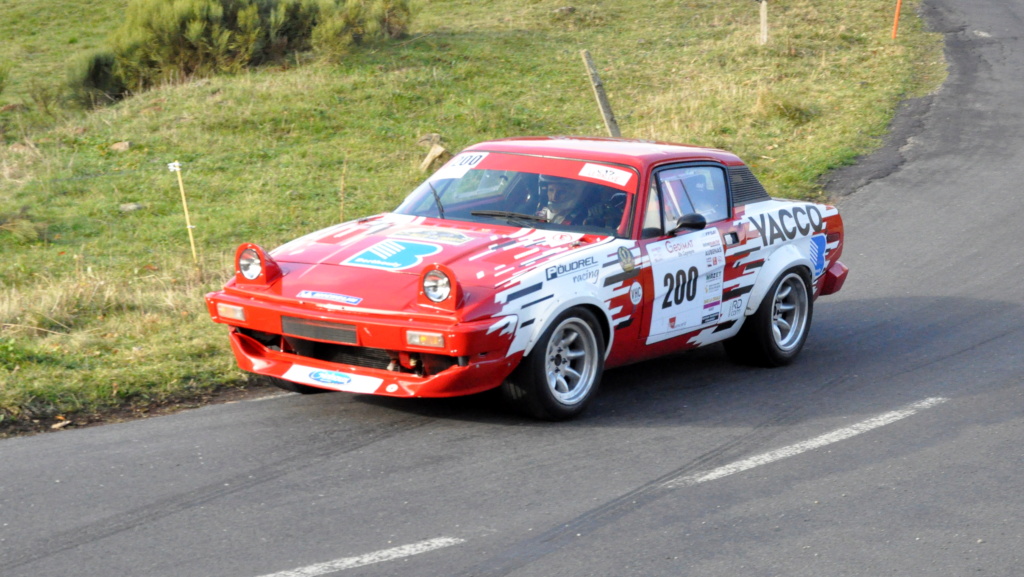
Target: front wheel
x=559, y=377
x=777, y=331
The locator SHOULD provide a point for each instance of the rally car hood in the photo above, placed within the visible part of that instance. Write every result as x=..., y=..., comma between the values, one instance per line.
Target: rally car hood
x=376, y=263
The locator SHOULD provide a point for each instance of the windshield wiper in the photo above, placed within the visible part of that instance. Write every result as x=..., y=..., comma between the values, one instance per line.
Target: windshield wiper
x=511, y=216
x=437, y=200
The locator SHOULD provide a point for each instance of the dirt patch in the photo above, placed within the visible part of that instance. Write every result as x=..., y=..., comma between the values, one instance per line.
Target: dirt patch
x=23, y=427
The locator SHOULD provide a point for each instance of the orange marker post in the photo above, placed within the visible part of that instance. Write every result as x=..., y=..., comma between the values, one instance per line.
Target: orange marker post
x=896, y=20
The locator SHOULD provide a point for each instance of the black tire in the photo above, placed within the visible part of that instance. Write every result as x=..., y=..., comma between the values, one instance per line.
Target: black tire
x=286, y=385
x=562, y=373
x=774, y=335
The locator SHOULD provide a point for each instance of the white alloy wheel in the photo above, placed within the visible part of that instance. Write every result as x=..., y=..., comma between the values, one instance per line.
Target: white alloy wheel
x=572, y=361
x=790, y=312
x=559, y=377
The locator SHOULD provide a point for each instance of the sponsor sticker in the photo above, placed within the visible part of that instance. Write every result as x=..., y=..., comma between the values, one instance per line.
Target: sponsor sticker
x=787, y=224
x=436, y=235
x=561, y=238
x=688, y=283
x=636, y=293
x=460, y=165
x=393, y=255
x=657, y=253
x=818, y=244
x=679, y=248
x=606, y=173
x=333, y=297
x=575, y=268
x=589, y=275
x=335, y=380
x=330, y=378
x=626, y=259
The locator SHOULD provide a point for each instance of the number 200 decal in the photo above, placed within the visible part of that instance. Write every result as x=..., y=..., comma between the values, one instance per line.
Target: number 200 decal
x=682, y=287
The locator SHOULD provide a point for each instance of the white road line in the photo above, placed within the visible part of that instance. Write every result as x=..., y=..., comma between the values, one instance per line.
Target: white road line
x=792, y=450
x=370, y=558
x=683, y=481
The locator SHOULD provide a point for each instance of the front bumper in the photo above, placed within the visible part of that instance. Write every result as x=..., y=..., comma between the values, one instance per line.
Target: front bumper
x=365, y=352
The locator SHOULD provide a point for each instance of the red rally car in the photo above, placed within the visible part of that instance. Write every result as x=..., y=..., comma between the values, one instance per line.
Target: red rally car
x=532, y=264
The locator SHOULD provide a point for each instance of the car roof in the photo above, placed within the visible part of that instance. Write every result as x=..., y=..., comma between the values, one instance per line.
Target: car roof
x=639, y=154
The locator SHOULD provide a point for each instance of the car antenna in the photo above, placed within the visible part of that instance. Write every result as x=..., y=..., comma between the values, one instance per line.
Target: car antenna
x=437, y=200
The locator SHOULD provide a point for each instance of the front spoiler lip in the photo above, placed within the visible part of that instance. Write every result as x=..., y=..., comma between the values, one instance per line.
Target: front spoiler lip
x=477, y=376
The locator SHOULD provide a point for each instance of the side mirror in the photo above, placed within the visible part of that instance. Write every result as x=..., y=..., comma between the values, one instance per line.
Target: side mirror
x=692, y=221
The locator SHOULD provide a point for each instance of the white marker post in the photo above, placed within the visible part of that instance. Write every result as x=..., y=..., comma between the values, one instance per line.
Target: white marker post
x=176, y=167
x=764, y=21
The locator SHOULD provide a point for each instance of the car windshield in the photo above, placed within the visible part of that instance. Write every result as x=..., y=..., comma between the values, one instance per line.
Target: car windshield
x=529, y=191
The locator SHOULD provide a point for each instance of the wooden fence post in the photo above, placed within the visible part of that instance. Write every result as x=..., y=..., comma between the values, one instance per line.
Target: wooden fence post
x=602, y=98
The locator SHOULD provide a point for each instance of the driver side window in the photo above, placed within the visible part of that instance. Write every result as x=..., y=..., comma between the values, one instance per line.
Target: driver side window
x=693, y=189
x=685, y=190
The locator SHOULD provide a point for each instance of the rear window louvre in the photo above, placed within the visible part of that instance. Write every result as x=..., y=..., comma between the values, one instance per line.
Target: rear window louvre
x=745, y=187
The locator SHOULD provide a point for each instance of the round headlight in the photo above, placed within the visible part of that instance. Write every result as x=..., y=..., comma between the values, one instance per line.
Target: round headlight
x=249, y=264
x=437, y=286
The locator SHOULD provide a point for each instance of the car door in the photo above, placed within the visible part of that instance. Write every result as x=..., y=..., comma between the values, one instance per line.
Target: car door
x=686, y=265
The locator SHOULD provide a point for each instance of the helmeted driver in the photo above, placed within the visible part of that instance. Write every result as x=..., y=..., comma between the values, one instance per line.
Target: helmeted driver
x=563, y=200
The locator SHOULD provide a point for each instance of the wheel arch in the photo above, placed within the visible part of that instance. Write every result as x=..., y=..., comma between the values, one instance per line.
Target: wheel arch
x=590, y=304
x=781, y=260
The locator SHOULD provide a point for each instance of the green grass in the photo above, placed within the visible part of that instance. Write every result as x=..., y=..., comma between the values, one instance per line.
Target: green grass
x=101, y=308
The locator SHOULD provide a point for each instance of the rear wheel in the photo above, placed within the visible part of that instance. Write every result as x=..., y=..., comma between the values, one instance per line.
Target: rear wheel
x=777, y=331
x=559, y=377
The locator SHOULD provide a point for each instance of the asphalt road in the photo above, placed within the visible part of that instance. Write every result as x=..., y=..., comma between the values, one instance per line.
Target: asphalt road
x=894, y=446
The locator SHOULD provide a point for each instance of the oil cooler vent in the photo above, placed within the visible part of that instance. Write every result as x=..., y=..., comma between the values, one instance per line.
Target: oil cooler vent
x=319, y=330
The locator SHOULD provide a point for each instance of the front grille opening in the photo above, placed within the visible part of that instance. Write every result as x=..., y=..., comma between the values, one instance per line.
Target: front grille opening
x=398, y=361
x=344, y=354
x=269, y=340
x=421, y=364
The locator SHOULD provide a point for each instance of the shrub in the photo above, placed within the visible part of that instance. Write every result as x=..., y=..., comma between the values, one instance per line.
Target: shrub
x=91, y=78
x=392, y=17
x=347, y=23
x=290, y=26
x=341, y=26
x=165, y=41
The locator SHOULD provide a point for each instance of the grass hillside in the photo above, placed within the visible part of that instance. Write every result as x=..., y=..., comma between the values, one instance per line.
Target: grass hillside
x=100, y=303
